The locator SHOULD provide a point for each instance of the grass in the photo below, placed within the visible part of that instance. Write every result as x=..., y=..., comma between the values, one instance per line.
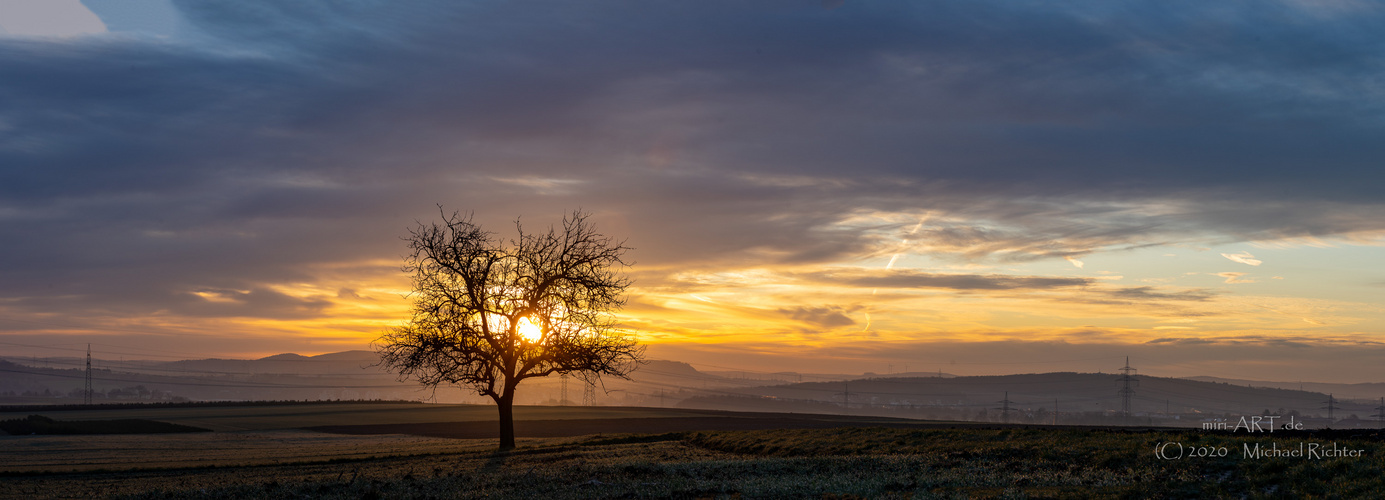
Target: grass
x=816, y=463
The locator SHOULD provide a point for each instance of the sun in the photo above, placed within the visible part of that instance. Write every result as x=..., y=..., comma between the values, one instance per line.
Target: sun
x=529, y=330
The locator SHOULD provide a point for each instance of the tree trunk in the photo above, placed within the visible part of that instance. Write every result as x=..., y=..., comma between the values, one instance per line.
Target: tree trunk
x=507, y=420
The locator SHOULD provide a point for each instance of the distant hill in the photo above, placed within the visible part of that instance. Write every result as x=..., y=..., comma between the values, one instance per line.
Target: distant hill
x=1370, y=390
x=344, y=364
x=666, y=383
x=982, y=397
x=197, y=380
x=284, y=357
x=340, y=375
x=355, y=356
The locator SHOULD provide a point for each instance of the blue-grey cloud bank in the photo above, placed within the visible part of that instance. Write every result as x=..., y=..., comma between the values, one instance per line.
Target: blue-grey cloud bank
x=205, y=170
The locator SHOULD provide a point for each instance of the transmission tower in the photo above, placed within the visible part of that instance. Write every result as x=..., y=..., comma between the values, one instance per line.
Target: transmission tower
x=589, y=394
x=562, y=393
x=1005, y=408
x=86, y=394
x=1331, y=406
x=1126, y=392
x=1380, y=411
x=846, y=396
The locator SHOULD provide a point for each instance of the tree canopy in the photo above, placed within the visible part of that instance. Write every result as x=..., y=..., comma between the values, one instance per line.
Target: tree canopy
x=489, y=313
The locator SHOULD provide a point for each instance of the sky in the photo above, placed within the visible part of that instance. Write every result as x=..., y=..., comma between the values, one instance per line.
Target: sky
x=844, y=186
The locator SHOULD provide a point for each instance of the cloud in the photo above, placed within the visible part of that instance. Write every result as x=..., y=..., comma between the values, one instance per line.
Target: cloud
x=258, y=303
x=919, y=279
x=1242, y=257
x=1151, y=293
x=823, y=316
x=1234, y=277
x=291, y=136
x=1182, y=341
x=60, y=18
x=1262, y=341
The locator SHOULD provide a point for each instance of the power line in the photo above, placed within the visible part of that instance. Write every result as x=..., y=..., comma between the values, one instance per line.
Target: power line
x=562, y=394
x=1126, y=391
x=589, y=394
x=809, y=389
x=846, y=396
x=86, y=394
x=1005, y=408
x=830, y=377
x=821, y=392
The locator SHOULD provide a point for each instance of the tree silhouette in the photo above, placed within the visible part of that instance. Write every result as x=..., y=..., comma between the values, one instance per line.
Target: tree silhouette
x=488, y=313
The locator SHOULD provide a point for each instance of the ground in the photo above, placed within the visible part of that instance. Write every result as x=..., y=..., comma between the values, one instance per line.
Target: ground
x=377, y=452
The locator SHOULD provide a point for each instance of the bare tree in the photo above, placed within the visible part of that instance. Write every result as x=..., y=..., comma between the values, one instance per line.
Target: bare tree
x=490, y=313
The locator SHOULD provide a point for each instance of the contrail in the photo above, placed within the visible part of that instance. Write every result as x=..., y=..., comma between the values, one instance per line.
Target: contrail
x=904, y=244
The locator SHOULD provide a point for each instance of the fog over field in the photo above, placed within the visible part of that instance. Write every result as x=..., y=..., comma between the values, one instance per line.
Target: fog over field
x=1079, y=398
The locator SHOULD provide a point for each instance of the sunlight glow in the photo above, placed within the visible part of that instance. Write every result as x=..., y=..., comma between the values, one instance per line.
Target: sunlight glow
x=529, y=330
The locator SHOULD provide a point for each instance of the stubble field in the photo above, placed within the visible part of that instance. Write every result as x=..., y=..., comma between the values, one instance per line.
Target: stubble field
x=824, y=457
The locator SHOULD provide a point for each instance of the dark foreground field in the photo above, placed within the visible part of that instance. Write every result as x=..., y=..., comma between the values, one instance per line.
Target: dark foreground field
x=771, y=456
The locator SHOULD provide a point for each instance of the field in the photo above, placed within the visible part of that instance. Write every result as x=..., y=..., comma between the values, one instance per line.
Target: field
x=402, y=451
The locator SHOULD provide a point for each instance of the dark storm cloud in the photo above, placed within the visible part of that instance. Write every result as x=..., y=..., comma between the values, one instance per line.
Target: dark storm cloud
x=296, y=133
